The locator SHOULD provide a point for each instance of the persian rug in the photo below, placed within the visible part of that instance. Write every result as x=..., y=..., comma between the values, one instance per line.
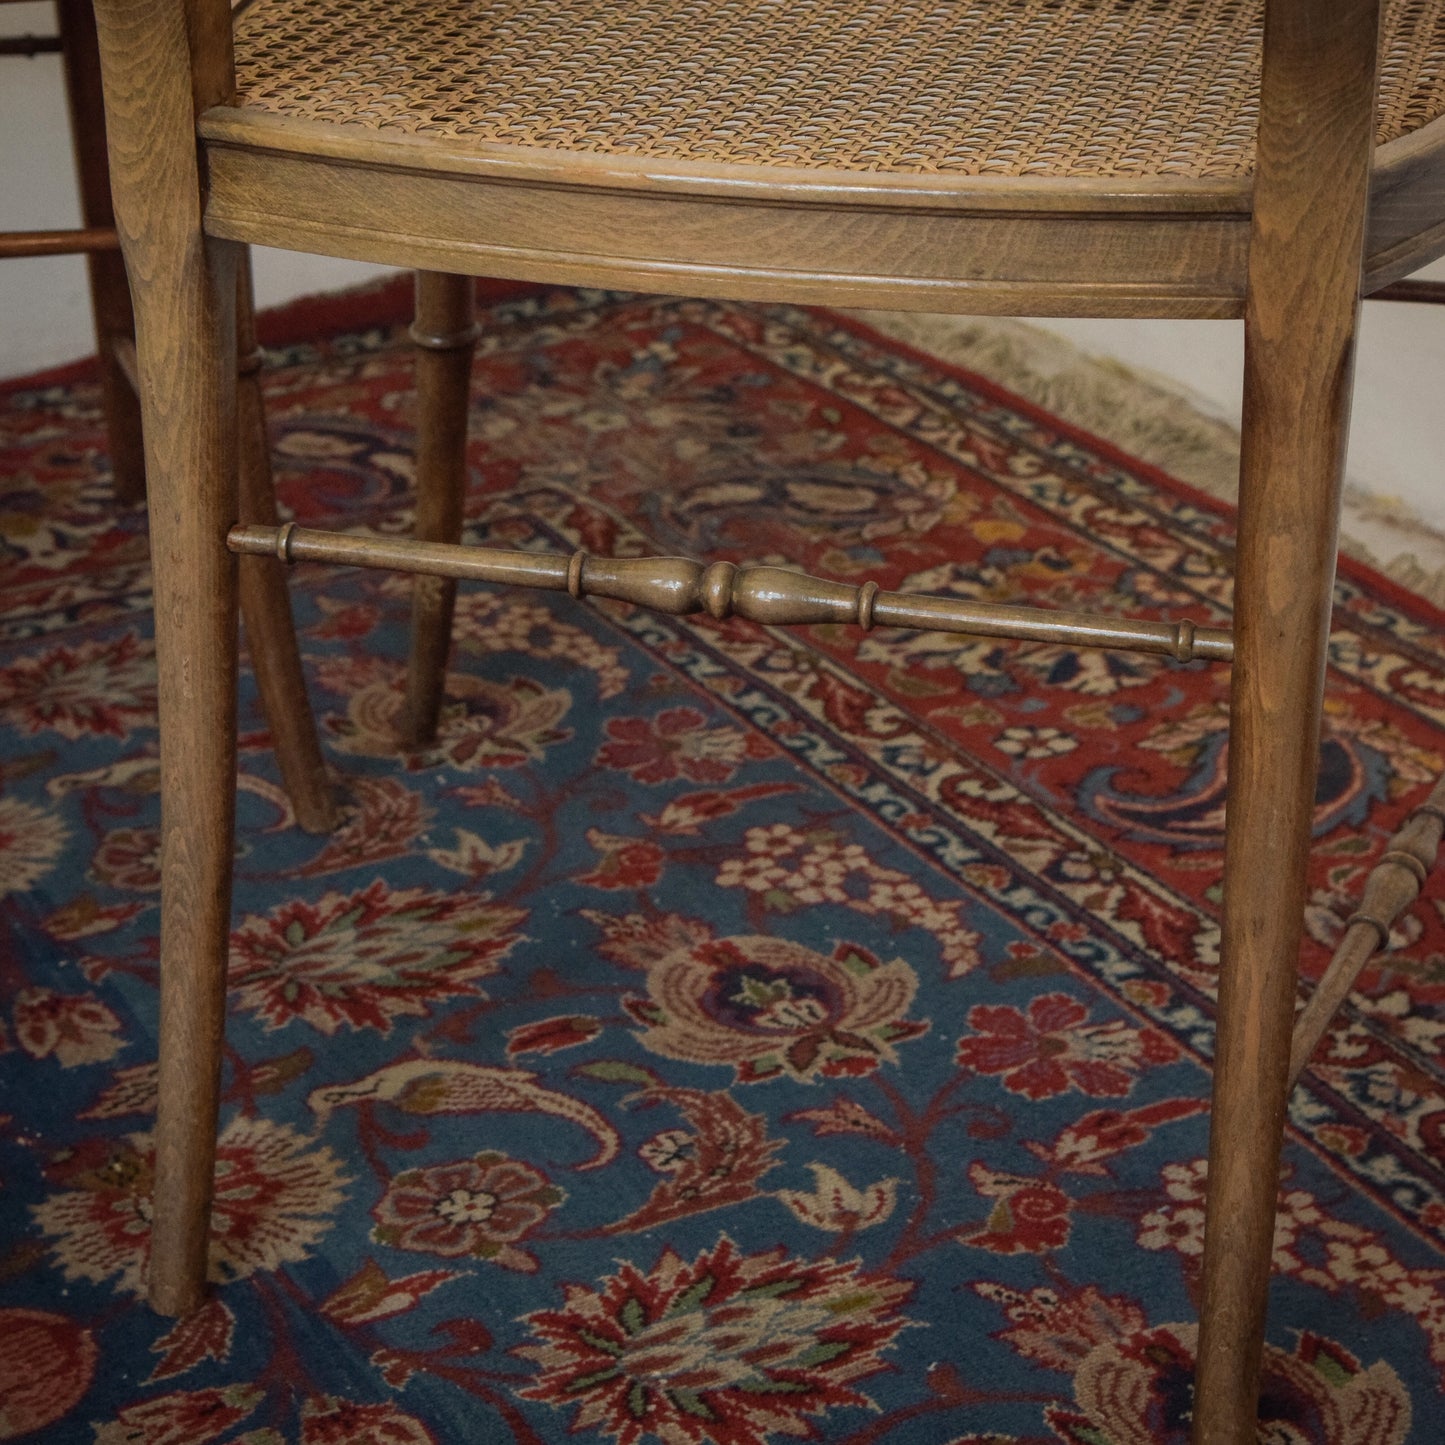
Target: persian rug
x=722, y=1035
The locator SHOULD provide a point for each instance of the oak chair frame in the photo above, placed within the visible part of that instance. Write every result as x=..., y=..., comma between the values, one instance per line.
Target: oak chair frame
x=1325, y=219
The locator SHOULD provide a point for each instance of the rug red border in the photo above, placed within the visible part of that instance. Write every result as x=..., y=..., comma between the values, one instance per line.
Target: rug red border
x=389, y=303
x=1360, y=572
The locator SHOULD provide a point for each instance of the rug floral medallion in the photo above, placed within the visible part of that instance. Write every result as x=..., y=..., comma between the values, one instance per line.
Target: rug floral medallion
x=722, y=1035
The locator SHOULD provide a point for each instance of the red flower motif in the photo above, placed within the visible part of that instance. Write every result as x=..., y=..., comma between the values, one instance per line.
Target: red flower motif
x=100, y=688
x=359, y=960
x=344, y=620
x=478, y=1207
x=204, y=1334
x=1083, y=1145
x=625, y=862
x=546, y=1036
x=387, y=821
x=844, y=1116
x=46, y=1365
x=326, y=1420
x=689, y=813
x=1058, y=1327
x=369, y=1295
x=676, y=744
x=129, y=858
x=84, y=917
x=732, y=1349
x=184, y=1417
x=1053, y=1049
x=1030, y=1217
x=718, y=1164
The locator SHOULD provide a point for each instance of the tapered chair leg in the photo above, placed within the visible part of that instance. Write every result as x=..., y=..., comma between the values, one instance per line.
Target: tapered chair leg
x=184, y=291
x=1282, y=596
x=266, y=598
x=445, y=333
x=190, y=463
x=1300, y=321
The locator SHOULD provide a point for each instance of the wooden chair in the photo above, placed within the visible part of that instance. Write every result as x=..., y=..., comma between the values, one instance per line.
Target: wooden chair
x=1038, y=158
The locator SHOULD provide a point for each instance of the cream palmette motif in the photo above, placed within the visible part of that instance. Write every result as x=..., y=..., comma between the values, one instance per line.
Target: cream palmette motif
x=772, y=595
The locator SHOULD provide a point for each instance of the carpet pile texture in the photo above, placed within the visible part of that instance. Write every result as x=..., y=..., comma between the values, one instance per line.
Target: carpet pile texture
x=721, y=1036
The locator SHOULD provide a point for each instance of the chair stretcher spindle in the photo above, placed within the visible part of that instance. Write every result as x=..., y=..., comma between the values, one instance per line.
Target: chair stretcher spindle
x=770, y=595
x=1393, y=885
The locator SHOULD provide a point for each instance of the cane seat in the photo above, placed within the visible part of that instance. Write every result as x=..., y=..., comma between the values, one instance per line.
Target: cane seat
x=1068, y=88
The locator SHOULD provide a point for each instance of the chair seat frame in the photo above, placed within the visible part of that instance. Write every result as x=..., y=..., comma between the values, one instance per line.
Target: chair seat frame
x=1165, y=246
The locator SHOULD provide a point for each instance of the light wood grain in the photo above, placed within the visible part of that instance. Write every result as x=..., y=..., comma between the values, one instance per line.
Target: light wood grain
x=1406, y=219
x=1315, y=145
x=812, y=248
x=184, y=287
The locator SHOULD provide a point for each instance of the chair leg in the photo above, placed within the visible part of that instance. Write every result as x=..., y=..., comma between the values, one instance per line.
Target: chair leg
x=1297, y=392
x=266, y=598
x=445, y=333
x=187, y=359
x=184, y=291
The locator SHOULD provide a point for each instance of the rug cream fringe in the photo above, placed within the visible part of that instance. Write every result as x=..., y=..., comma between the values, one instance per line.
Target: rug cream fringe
x=1149, y=419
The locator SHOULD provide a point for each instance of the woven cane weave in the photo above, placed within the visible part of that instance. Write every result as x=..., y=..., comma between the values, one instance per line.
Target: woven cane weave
x=1013, y=87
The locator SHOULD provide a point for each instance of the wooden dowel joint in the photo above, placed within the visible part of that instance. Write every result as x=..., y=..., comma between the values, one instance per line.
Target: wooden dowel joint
x=1408, y=861
x=867, y=595
x=459, y=340
x=1381, y=927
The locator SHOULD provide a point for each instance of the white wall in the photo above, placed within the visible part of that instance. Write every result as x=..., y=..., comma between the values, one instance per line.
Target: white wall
x=1397, y=442
x=1397, y=436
